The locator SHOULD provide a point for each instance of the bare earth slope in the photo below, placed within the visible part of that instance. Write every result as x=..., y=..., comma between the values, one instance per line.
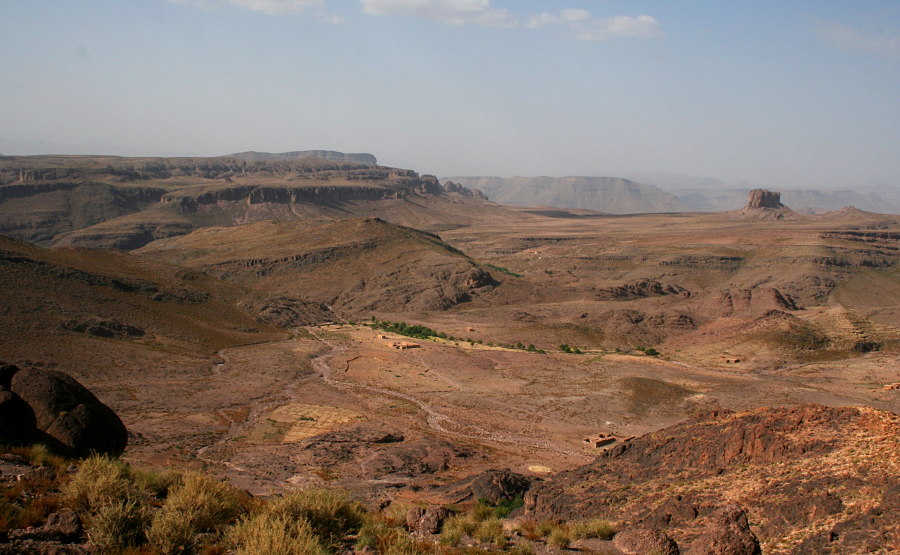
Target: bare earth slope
x=355, y=266
x=84, y=306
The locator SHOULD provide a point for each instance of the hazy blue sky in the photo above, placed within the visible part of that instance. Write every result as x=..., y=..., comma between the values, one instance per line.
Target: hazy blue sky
x=782, y=94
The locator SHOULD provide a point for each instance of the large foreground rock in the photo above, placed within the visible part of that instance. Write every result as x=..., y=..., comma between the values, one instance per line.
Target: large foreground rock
x=728, y=534
x=46, y=406
x=643, y=541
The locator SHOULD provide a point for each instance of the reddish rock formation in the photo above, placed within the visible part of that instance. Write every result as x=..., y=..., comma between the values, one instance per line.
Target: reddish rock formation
x=763, y=198
x=641, y=541
x=426, y=521
x=679, y=478
x=728, y=534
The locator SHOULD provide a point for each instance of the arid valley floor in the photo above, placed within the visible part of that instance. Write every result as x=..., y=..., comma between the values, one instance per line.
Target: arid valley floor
x=225, y=311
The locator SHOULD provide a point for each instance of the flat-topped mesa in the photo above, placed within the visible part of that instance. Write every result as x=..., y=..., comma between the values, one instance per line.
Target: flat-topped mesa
x=763, y=198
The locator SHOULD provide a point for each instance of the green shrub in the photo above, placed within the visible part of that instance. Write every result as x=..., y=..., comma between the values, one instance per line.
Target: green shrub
x=398, y=542
x=269, y=534
x=459, y=525
x=41, y=455
x=481, y=511
x=524, y=547
x=506, y=506
x=560, y=537
x=595, y=528
x=100, y=481
x=450, y=537
x=395, y=514
x=330, y=513
x=200, y=504
x=119, y=523
x=489, y=529
x=651, y=351
x=155, y=482
x=544, y=527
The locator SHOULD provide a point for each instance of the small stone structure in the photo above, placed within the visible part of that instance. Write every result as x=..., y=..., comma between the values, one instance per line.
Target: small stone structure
x=402, y=345
x=602, y=440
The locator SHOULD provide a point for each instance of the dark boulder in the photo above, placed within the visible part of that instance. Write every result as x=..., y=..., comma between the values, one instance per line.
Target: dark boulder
x=17, y=423
x=644, y=541
x=64, y=527
x=727, y=534
x=426, y=520
x=51, y=407
x=493, y=486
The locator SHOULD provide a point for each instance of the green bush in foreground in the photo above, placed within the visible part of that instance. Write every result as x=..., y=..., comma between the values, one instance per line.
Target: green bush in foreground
x=330, y=513
x=116, y=514
x=270, y=534
x=201, y=504
x=596, y=528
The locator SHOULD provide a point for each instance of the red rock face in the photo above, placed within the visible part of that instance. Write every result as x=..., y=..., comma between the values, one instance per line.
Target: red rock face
x=763, y=198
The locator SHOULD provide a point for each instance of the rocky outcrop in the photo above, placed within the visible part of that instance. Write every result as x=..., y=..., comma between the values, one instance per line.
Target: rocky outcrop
x=426, y=520
x=641, y=289
x=727, y=534
x=289, y=312
x=51, y=407
x=811, y=457
x=763, y=198
x=643, y=541
x=492, y=485
x=451, y=187
x=61, y=527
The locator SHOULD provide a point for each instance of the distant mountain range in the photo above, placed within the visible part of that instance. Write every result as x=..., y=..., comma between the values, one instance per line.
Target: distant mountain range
x=613, y=195
x=664, y=193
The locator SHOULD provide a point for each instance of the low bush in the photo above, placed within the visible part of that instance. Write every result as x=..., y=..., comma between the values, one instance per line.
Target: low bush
x=559, y=537
x=100, y=481
x=331, y=513
x=119, y=523
x=489, y=529
x=596, y=528
x=200, y=504
x=522, y=548
x=544, y=527
x=270, y=534
x=395, y=514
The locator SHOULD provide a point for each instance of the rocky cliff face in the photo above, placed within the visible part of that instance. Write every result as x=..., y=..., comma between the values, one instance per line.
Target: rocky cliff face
x=451, y=187
x=763, y=198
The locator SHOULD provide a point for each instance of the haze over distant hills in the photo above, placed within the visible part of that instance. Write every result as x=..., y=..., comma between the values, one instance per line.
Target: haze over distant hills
x=654, y=193
x=330, y=155
x=605, y=194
